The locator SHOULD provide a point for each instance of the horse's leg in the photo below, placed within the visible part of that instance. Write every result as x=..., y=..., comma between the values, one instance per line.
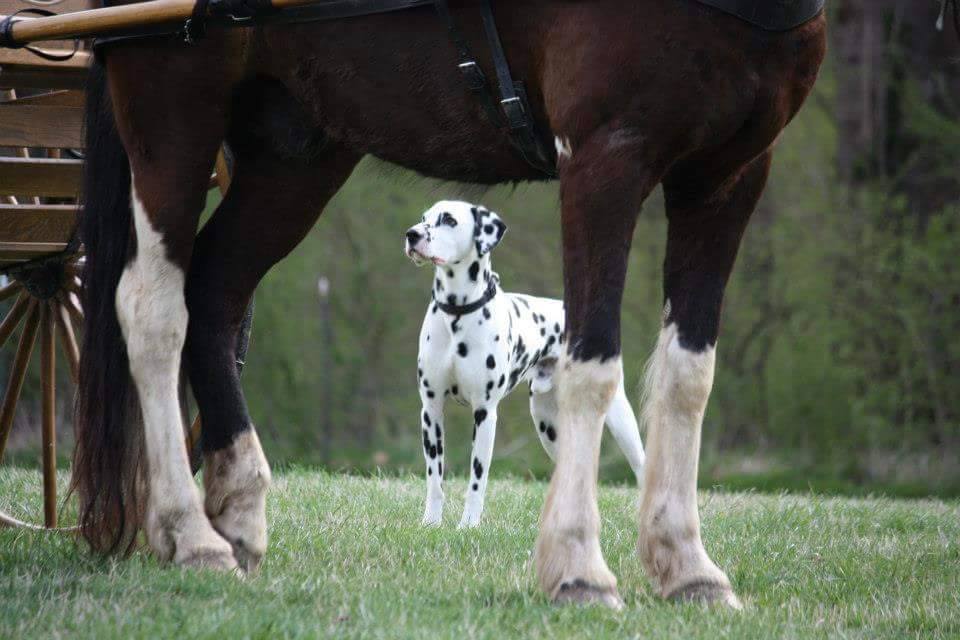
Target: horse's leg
x=170, y=162
x=703, y=238
x=271, y=205
x=622, y=423
x=603, y=185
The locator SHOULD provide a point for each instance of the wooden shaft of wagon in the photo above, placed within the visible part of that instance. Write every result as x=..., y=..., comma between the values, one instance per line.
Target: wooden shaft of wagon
x=111, y=20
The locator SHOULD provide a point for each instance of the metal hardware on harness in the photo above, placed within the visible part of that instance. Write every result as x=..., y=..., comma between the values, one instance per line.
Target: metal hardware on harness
x=514, y=113
x=473, y=74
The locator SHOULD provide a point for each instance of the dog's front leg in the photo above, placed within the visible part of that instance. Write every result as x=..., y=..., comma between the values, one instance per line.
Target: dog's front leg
x=484, y=432
x=431, y=421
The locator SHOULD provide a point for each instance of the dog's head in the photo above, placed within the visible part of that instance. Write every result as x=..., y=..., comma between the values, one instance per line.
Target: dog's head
x=451, y=232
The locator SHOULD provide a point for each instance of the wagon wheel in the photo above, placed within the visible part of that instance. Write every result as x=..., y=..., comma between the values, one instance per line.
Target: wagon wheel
x=48, y=303
x=48, y=308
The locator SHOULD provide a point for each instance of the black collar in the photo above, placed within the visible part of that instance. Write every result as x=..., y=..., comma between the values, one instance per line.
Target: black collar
x=465, y=309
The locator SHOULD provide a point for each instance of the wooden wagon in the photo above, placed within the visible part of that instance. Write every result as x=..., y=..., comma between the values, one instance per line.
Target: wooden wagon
x=41, y=260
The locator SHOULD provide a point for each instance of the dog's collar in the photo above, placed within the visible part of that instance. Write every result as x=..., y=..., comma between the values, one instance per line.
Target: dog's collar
x=465, y=309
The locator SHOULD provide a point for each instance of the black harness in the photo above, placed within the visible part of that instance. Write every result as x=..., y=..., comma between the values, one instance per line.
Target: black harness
x=466, y=309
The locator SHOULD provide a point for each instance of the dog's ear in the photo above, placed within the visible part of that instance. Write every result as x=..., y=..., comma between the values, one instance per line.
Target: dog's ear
x=488, y=229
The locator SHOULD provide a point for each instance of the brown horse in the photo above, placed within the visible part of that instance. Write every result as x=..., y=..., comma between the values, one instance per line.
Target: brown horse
x=636, y=93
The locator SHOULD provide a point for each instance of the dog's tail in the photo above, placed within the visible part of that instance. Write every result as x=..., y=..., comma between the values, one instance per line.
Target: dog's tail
x=107, y=454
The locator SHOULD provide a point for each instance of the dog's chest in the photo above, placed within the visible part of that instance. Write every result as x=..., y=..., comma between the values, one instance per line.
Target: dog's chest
x=496, y=348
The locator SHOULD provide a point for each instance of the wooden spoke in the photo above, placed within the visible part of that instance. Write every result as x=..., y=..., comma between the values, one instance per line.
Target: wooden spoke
x=13, y=318
x=72, y=304
x=10, y=289
x=48, y=376
x=17, y=373
x=68, y=339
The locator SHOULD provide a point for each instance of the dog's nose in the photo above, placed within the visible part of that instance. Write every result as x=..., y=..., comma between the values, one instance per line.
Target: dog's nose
x=413, y=236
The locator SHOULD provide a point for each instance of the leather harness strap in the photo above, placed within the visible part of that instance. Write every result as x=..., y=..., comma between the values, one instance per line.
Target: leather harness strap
x=516, y=106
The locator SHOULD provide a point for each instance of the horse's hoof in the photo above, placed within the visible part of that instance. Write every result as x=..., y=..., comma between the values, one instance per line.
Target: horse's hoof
x=580, y=592
x=706, y=592
x=247, y=560
x=206, y=558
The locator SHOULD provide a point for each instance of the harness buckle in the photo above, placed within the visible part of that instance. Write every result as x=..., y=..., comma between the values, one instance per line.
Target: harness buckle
x=473, y=74
x=516, y=115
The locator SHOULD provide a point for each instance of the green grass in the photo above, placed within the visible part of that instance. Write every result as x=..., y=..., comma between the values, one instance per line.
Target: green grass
x=348, y=559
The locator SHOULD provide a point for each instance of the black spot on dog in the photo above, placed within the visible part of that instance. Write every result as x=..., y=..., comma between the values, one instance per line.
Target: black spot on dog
x=429, y=471
x=488, y=229
x=551, y=434
x=477, y=468
x=434, y=310
x=419, y=373
x=486, y=313
x=439, y=285
x=431, y=394
x=440, y=469
x=474, y=271
x=556, y=328
x=496, y=338
x=426, y=419
x=503, y=379
x=426, y=383
x=550, y=341
x=449, y=273
x=479, y=416
x=462, y=350
x=456, y=390
x=475, y=487
x=433, y=452
x=426, y=440
x=516, y=309
x=543, y=427
x=491, y=362
x=438, y=432
x=451, y=299
x=543, y=331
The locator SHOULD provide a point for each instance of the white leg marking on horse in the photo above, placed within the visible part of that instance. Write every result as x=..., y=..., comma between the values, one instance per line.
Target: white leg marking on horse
x=564, y=150
x=153, y=317
x=678, y=383
x=237, y=479
x=569, y=562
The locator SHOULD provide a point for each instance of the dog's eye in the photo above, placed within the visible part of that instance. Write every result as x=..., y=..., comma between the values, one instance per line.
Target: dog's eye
x=447, y=219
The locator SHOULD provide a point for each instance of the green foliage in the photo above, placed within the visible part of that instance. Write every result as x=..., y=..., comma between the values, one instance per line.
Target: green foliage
x=349, y=559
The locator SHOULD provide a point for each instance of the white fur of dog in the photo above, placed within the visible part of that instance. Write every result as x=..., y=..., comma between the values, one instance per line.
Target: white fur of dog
x=477, y=344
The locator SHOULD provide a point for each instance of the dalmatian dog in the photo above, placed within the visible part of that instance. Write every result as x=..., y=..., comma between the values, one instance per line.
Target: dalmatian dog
x=478, y=344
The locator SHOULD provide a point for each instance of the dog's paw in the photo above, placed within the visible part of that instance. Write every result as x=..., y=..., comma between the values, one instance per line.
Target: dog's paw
x=432, y=515
x=469, y=520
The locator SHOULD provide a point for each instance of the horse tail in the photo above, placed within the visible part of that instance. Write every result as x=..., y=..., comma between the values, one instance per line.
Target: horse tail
x=106, y=463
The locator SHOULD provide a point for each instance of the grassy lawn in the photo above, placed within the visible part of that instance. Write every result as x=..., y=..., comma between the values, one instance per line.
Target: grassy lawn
x=349, y=559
